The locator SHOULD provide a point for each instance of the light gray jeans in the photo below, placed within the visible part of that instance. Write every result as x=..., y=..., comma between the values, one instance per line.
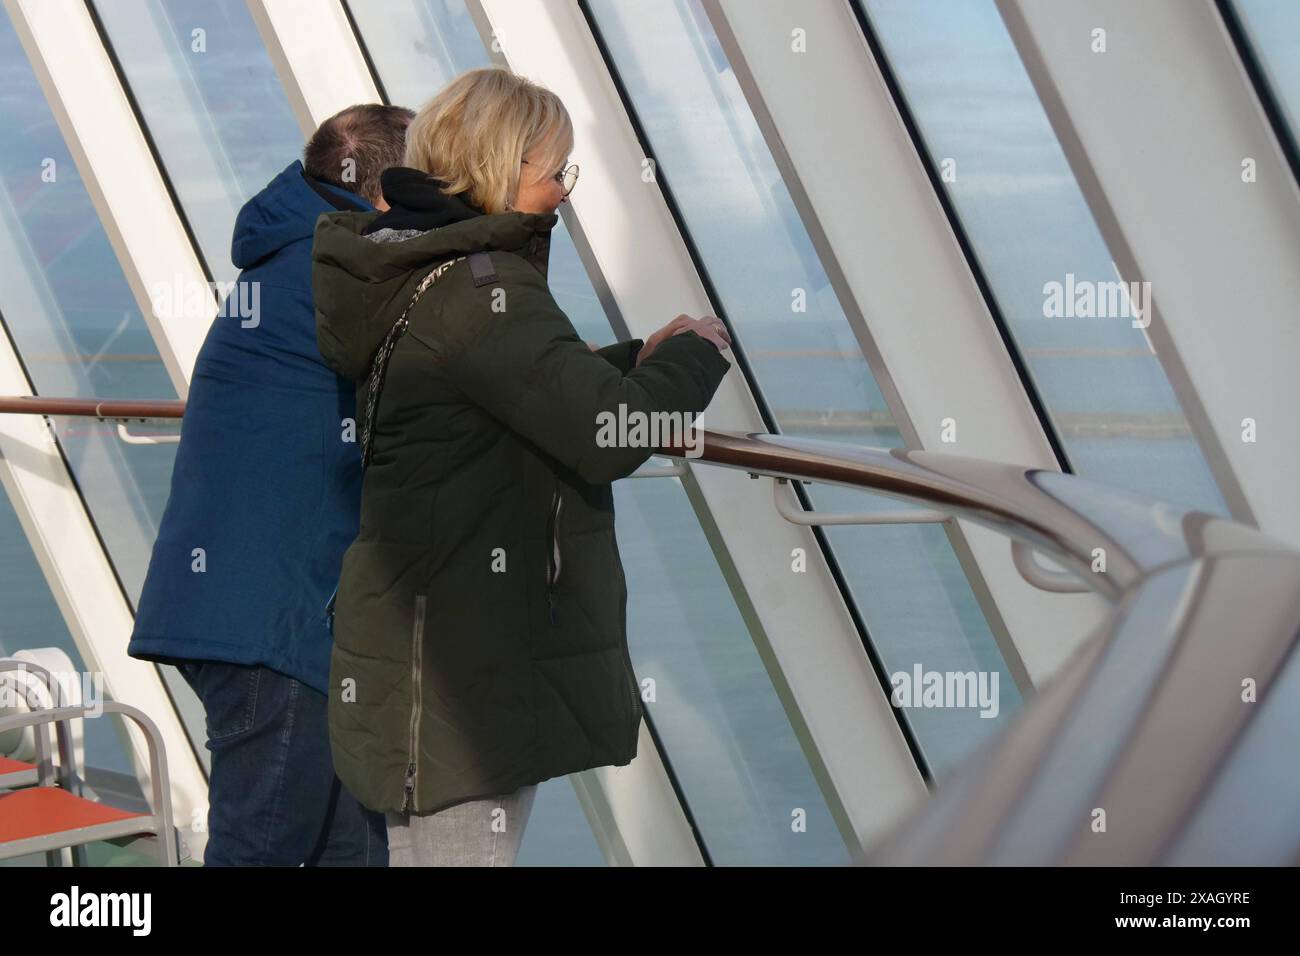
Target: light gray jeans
x=483, y=832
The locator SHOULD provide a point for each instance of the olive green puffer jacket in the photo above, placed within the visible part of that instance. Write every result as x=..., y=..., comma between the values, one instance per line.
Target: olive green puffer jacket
x=480, y=636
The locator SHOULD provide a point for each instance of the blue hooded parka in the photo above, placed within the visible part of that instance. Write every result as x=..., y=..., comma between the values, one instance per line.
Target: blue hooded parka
x=266, y=485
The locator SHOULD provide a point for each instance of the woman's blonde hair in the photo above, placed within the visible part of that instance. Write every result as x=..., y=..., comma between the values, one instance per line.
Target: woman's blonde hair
x=475, y=132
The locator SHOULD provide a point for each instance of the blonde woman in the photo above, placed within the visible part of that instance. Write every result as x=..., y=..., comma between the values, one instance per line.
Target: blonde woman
x=479, y=625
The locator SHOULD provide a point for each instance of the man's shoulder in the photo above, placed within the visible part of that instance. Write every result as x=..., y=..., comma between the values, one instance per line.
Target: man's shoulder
x=265, y=330
x=289, y=265
x=282, y=278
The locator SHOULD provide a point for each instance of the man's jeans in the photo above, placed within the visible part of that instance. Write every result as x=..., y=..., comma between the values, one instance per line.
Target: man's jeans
x=273, y=798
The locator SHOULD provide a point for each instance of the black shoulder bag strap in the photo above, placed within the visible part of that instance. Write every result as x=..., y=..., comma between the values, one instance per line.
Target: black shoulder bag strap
x=480, y=264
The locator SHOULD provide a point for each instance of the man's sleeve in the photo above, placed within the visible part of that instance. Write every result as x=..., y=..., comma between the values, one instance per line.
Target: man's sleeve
x=527, y=367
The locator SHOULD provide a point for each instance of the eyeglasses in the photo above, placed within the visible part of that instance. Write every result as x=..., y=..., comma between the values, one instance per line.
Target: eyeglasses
x=566, y=177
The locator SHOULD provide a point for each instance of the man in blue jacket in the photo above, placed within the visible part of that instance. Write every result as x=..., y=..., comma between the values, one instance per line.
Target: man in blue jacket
x=265, y=499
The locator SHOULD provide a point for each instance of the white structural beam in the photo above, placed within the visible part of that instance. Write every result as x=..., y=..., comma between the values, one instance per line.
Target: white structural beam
x=623, y=804
x=902, y=281
x=81, y=579
x=316, y=57
x=639, y=260
x=1192, y=193
x=124, y=183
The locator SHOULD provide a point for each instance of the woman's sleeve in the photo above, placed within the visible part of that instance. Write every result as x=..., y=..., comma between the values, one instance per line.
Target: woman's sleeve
x=526, y=366
x=622, y=355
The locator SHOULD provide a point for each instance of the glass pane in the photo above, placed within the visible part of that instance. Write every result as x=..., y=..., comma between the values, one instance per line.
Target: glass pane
x=73, y=319
x=32, y=620
x=1034, y=236
x=905, y=579
x=557, y=833
x=1273, y=27
x=418, y=46
x=724, y=731
x=212, y=103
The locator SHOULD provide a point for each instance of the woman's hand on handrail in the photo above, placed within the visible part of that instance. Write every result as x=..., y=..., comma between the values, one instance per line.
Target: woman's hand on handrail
x=708, y=327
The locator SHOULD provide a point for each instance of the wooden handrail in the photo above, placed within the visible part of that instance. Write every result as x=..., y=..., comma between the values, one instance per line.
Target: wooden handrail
x=1064, y=516
x=106, y=408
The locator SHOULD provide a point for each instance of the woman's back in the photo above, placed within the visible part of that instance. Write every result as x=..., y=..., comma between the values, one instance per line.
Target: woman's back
x=480, y=632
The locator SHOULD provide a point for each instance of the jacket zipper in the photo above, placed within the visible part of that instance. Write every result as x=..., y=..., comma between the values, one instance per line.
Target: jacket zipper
x=553, y=555
x=413, y=743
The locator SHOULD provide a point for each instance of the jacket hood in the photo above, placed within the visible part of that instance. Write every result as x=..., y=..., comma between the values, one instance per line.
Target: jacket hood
x=362, y=282
x=283, y=212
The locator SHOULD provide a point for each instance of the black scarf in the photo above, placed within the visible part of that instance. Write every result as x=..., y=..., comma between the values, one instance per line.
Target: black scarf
x=417, y=202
